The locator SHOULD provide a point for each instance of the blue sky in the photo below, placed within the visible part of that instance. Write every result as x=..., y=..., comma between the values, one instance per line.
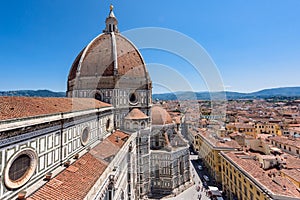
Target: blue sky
x=254, y=44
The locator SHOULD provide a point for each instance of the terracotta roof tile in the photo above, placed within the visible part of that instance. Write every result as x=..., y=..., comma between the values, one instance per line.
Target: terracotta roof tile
x=292, y=162
x=105, y=151
x=293, y=173
x=284, y=140
x=218, y=142
x=71, y=184
x=275, y=185
x=177, y=119
x=160, y=116
x=22, y=107
x=118, y=138
x=99, y=59
x=136, y=114
x=76, y=181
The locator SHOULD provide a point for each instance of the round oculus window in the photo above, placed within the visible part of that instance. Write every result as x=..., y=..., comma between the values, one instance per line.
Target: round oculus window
x=20, y=168
x=133, y=98
x=85, y=135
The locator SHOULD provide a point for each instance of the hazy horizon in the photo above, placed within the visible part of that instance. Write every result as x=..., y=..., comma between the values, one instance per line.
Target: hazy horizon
x=161, y=92
x=252, y=46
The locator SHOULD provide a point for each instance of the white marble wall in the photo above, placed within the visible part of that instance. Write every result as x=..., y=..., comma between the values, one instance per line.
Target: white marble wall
x=53, y=145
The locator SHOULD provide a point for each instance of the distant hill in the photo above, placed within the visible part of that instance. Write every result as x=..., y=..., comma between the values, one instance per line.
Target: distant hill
x=183, y=95
x=266, y=93
x=33, y=93
x=285, y=91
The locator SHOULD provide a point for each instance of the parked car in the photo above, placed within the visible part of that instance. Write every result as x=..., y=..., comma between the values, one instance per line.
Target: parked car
x=200, y=167
x=205, y=177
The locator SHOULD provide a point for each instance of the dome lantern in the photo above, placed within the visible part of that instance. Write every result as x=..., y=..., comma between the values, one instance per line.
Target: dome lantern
x=111, y=22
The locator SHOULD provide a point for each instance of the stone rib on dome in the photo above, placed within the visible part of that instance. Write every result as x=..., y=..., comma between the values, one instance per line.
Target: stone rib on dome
x=160, y=116
x=97, y=59
x=109, y=61
x=72, y=73
x=96, y=65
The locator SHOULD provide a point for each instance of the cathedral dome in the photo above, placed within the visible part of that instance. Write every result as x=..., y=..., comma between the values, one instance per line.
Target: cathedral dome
x=107, y=61
x=109, y=55
x=160, y=116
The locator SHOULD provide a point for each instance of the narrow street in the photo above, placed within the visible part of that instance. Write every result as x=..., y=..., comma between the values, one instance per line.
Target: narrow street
x=192, y=193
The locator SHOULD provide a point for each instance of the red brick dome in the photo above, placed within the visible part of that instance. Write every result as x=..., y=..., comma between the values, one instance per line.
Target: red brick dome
x=106, y=60
x=99, y=58
x=160, y=116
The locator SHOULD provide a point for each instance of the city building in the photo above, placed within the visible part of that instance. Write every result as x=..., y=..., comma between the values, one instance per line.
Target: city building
x=169, y=154
x=247, y=175
x=209, y=145
x=245, y=128
x=267, y=128
x=288, y=145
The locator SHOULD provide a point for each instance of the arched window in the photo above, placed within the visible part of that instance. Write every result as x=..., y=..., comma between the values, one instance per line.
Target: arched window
x=98, y=96
x=135, y=125
x=143, y=125
x=156, y=172
x=127, y=125
x=108, y=124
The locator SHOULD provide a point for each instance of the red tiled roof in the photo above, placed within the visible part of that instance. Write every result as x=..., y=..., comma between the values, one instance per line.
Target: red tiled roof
x=136, y=114
x=253, y=168
x=287, y=141
x=218, y=142
x=72, y=184
x=293, y=173
x=118, y=138
x=22, y=107
x=76, y=181
x=160, y=116
x=292, y=162
x=99, y=59
x=177, y=119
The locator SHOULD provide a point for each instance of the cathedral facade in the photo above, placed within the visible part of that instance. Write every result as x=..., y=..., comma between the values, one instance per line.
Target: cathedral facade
x=103, y=141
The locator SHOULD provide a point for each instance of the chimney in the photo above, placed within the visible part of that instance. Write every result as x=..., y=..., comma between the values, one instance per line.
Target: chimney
x=21, y=195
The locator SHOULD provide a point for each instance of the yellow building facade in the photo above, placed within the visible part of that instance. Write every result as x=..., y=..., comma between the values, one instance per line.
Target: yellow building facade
x=244, y=179
x=208, y=149
x=247, y=129
x=236, y=185
x=293, y=175
x=268, y=128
